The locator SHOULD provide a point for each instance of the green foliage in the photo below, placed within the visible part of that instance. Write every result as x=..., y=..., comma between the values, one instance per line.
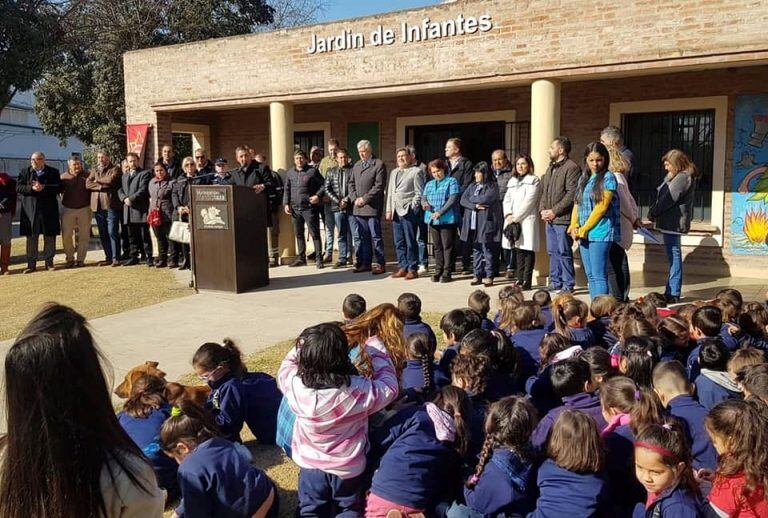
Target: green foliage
x=83, y=94
x=30, y=39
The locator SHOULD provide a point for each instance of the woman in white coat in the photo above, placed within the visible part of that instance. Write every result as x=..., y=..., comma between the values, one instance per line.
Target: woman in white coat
x=520, y=207
x=617, y=269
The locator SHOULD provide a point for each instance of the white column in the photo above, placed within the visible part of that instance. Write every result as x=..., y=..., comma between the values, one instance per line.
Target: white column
x=281, y=139
x=545, y=126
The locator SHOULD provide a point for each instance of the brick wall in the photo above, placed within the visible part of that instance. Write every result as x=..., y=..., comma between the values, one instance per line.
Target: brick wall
x=531, y=39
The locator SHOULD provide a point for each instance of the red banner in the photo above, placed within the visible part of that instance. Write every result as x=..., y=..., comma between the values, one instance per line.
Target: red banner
x=137, y=139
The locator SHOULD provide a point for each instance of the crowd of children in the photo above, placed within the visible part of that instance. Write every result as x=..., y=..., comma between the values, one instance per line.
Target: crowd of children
x=550, y=408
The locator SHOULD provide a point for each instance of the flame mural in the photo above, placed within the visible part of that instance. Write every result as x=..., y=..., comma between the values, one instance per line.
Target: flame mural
x=749, y=222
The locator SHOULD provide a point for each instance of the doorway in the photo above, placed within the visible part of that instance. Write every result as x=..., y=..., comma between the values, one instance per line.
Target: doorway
x=478, y=139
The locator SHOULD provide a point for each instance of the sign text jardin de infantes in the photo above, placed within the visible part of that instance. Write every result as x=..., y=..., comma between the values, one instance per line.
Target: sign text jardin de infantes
x=381, y=36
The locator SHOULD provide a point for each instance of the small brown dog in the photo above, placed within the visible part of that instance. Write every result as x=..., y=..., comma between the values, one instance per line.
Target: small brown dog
x=173, y=391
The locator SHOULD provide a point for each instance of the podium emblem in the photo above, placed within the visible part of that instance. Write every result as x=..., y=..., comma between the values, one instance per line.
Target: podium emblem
x=213, y=217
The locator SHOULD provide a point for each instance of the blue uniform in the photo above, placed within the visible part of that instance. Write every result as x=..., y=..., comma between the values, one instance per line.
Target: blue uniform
x=710, y=392
x=416, y=325
x=675, y=502
x=449, y=354
x=731, y=341
x=218, y=480
x=487, y=324
x=582, y=336
x=585, y=402
x=540, y=391
x=692, y=363
x=564, y=493
x=253, y=399
x=526, y=344
x=507, y=486
x=413, y=376
x=624, y=490
x=601, y=329
x=692, y=413
x=145, y=432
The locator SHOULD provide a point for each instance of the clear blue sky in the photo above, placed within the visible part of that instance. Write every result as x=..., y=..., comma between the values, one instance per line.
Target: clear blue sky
x=340, y=9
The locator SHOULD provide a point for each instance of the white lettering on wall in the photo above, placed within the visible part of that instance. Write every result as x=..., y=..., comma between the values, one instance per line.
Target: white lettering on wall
x=408, y=33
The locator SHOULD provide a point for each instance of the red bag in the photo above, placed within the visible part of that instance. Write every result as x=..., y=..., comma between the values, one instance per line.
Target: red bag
x=154, y=218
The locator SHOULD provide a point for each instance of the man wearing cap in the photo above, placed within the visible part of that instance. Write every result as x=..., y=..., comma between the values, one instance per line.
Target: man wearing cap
x=223, y=176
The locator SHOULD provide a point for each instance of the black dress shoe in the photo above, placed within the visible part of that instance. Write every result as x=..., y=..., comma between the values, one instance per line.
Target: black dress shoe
x=446, y=278
x=131, y=262
x=311, y=257
x=320, y=265
x=299, y=261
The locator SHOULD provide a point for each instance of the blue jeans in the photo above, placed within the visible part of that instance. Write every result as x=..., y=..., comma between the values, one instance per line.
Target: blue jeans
x=369, y=229
x=343, y=222
x=322, y=494
x=482, y=259
x=422, y=231
x=559, y=243
x=330, y=225
x=675, y=257
x=594, y=256
x=406, y=247
x=108, y=222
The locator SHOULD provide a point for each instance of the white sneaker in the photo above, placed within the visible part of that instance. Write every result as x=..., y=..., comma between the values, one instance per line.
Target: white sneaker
x=422, y=268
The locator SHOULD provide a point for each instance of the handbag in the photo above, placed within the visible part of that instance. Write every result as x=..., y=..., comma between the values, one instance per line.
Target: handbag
x=179, y=232
x=512, y=232
x=154, y=218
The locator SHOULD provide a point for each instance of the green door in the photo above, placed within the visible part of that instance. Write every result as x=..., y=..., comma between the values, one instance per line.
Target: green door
x=357, y=131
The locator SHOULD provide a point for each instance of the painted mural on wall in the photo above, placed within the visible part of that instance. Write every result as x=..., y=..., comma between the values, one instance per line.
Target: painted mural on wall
x=749, y=222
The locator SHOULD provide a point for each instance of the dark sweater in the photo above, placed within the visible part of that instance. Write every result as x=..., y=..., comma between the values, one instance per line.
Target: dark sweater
x=252, y=399
x=526, y=344
x=507, y=486
x=564, y=493
x=692, y=413
x=416, y=325
x=585, y=402
x=145, y=432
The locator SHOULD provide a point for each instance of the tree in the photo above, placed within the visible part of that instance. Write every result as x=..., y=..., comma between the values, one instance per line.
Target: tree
x=293, y=13
x=82, y=95
x=30, y=39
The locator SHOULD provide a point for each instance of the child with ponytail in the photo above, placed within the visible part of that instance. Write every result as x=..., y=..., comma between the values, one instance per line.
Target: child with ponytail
x=237, y=396
x=422, y=448
x=628, y=409
x=739, y=431
x=504, y=481
x=142, y=417
x=420, y=371
x=526, y=335
x=663, y=467
x=216, y=477
x=571, y=321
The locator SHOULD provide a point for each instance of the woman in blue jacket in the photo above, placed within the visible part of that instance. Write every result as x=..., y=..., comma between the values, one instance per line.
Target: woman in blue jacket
x=441, y=213
x=671, y=213
x=482, y=223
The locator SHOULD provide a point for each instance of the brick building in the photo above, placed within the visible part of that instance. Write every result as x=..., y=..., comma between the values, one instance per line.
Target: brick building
x=500, y=74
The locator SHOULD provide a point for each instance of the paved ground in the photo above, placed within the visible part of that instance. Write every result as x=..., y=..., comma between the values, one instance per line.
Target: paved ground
x=296, y=297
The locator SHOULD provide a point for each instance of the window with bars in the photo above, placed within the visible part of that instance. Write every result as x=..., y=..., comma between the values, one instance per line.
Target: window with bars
x=650, y=135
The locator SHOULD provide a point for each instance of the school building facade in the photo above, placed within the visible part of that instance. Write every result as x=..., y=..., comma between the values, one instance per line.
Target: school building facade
x=691, y=74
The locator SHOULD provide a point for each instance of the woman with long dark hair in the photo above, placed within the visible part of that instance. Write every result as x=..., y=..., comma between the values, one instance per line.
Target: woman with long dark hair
x=482, y=222
x=595, y=218
x=65, y=454
x=671, y=213
x=521, y=209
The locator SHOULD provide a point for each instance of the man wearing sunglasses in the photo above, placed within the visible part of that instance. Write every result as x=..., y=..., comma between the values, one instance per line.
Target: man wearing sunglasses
x=203, y=165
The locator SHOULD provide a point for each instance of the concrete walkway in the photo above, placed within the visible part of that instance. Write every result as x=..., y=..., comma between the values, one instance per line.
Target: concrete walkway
x=170, y=332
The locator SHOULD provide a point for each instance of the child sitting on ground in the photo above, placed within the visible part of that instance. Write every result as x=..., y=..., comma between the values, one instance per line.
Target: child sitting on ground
x=526, y=335
x=503, y=483
x=754, y=326
x=676, y=394
x=455, y=325
x=142, y=417
x=742, y=358
x=480, y=302
x=509, y=298
x=637, y=360
x=602, y=309
x=422, y=446
x=409, y=305
x=675, y=332
x=706, y=322
x=663, y=467
x=216, y=477
x=571, y=322
x=353, y=306
x=552, y=348
x=714, y=384
x=730, y=302
x=237, y=396
x=472, y=373
x=332, y=404
x=544, y=301
x=420, y=371
x=739, y=431
x=601, y=365
x=572, y=383
x=753, y=381
x=569, y=481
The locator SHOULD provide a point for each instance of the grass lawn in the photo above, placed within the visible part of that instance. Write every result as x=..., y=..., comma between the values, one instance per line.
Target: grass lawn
x=93, y=291
x=271, y=459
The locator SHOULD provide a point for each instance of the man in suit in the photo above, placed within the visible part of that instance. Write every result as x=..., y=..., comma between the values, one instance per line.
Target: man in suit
x=403, y=207
x=38, y=187
x=134, y=195
x=366, y=188
x=461, y=168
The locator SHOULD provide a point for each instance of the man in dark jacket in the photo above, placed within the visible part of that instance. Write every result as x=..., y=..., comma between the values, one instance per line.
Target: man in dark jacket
x=104, y=182
x=366, y=190
x=223, y=176
x=202, y=164
x=503, y=171
x=172, y=166
x=38, y=187
x=558, y=191
x=258, y=176
x=302, y=199
x=134, y=195
x=462, y=169
x=337, y=190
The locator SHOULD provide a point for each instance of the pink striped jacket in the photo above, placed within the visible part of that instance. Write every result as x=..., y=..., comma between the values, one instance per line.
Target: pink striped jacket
x=331, y=429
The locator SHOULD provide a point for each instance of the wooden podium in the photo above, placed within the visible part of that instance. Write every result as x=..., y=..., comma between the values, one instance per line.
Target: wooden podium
x=229, y=238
